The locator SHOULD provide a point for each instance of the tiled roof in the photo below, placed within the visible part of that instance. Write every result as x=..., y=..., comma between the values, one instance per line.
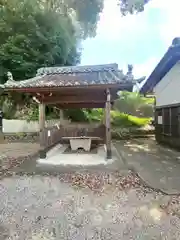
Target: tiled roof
x=77, y=69
x=72, y=76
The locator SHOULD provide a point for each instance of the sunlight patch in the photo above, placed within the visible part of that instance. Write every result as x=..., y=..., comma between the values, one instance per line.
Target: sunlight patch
x=156, y=214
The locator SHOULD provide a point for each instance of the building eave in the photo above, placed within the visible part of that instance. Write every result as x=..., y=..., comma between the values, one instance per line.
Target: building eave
x=171, y=57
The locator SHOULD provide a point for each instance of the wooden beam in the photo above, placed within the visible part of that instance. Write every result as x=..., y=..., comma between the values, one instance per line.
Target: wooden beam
x=79, y=105
x=76, y=99
x=42, y=130
x=93, y=97
x=74, y=102
x=108, y=126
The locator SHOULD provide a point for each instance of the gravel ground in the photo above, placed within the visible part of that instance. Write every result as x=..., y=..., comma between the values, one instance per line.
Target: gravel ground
x=85, y=207
x=15, y=150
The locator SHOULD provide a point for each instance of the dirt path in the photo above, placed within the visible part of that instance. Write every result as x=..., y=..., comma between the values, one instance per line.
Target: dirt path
x=18, y=149
x=158, y=166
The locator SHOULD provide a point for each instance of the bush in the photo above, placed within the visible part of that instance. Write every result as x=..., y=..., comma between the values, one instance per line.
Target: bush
x=119, y=119
x=134, y=104
x=76, y=115
x=136, y=121
x=125, y=120
x=94, y=115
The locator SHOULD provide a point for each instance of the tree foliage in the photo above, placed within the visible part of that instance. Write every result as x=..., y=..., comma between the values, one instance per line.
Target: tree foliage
x=84, y=12
x=132, y=6
x=134, y=104
x=40, y=33
x=32, y=37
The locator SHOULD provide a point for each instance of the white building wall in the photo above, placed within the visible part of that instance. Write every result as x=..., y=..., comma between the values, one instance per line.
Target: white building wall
x=167, y=91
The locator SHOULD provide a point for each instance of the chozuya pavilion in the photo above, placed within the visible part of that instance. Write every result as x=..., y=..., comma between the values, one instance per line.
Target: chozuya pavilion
x=69, y=88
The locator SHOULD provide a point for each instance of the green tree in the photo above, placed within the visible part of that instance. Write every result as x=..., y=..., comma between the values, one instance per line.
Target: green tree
x=132, y=6
x=134, y=104
x=85, y=13
x=32, y=37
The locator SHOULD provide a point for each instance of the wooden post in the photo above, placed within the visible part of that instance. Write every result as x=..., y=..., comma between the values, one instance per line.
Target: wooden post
x=1, y=137
x=1, y=128
x=108, y=125
x=41, y=130
x=104, y=115
x=61, y=116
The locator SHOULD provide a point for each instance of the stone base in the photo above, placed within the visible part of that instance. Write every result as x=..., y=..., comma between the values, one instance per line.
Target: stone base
x=56, y=157
x=80, y=143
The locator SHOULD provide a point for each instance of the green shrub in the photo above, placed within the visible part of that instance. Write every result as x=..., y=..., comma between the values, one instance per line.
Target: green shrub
x=76, y=115
x=125, y=120
x=94, y=115
x=119, y=119
x=134, y=104
x=137, y=121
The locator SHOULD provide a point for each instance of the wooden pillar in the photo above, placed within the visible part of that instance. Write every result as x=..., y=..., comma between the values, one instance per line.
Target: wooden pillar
x=42, y=130
x=104, y=115
x=108, y=125
x=1, y=128
x=61, y=112
x=1, y=135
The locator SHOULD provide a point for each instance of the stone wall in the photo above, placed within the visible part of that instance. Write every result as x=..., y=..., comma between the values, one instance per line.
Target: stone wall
x=22, y=137
x=23, y=126
x=53, y=132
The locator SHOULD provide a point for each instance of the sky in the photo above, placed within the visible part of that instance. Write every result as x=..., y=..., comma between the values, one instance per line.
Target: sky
x=140, y=39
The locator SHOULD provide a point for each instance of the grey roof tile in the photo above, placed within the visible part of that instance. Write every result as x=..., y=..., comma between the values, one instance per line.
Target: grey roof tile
x=77, y=69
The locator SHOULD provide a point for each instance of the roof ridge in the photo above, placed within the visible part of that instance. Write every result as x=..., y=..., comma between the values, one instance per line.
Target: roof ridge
x=77, y=69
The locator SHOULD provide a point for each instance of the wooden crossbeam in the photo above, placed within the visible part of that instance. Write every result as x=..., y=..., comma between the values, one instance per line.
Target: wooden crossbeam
x=72, y=99
x=68, y=99
x=80, y=105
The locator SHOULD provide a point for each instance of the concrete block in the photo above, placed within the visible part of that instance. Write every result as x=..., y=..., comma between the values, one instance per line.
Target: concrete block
x=80, y=143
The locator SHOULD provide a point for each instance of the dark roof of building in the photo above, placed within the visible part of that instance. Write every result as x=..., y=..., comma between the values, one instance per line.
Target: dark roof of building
x=171, y=57
x=72, y=76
